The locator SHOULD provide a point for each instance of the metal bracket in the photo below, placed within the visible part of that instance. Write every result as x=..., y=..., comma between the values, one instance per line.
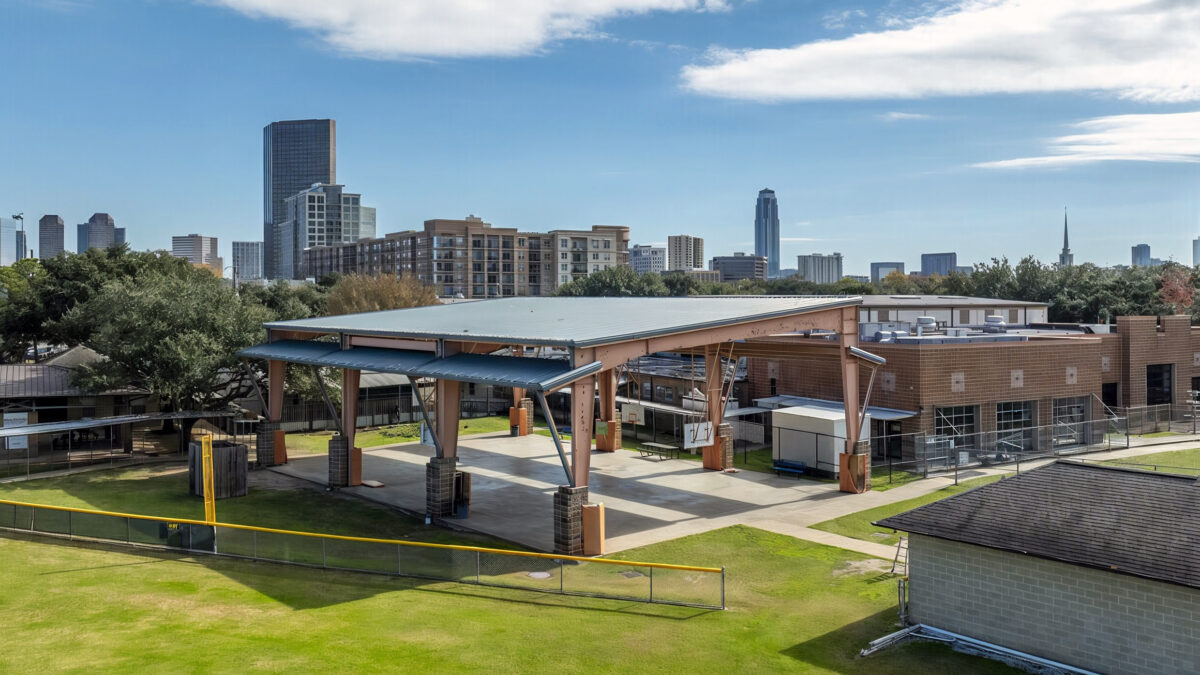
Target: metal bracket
x=337, y=419
x=562, y=455
x=250, y=375
x=437, y=443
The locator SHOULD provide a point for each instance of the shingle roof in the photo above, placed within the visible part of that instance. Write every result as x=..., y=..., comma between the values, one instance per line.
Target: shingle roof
x=1123, y=520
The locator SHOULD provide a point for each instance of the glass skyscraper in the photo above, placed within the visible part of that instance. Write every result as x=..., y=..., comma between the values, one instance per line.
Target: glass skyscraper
x=51, y=236
x=766, y=230
x=296, y=154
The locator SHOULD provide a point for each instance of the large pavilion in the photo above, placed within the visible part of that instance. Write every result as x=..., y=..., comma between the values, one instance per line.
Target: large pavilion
x=485, y=343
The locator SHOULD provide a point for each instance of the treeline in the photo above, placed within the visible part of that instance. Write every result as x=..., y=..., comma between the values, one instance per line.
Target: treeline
x=1081, y=293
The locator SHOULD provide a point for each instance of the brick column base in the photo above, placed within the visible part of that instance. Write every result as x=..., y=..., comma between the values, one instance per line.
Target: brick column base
x=439, y=486
x=725, y=443
x=610, y=442
x=864, y=448
x=264, y=455
x=339, y=461
x=527, y=404
x=568, y=519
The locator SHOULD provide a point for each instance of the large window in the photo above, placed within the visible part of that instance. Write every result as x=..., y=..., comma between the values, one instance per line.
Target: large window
x=956, y=423
x=1070, y=420
x=1014, y=426
x=1159, y=380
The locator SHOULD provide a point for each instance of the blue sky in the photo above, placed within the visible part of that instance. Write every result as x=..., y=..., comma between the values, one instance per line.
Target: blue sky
x=887, y=129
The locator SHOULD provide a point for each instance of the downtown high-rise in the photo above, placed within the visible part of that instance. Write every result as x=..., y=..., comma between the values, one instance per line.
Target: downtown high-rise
x=296, y=155
x=766, y=230
x=51, y=236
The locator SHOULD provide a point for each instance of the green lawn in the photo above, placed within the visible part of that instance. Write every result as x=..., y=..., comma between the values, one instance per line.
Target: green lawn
x=858, y=525
x=795, y=606
x=317, y=442
x=1158, y=434
x=1175, y=461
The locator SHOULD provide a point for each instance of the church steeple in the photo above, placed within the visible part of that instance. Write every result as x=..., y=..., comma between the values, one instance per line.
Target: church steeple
x=1066, y=258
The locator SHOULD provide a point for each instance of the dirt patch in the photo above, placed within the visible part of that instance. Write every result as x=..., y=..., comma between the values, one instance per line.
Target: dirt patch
x=273, y=480
x=857, y=567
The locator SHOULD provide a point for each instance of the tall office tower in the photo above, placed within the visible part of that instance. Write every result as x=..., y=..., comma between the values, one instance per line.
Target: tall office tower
x=8, y=242
x=644, y=258
x=1141, y=255
x=196, y=249
x=941, y=264
x=1196, y=251
x=118, y=235
x=880, y=270
x=296, y=155
x=684, y=252
x=819, y=268
x=22, y=244
x=766, y=230
x=1066, y=258
x=99, y=231
x=51, y=234
x=321, y=215
x=247, y=260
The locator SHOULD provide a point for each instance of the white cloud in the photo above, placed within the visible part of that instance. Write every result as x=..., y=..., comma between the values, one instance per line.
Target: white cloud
x=838, y=20
x=1169, y=137
x=902, y=116
x=1144, y=50
x=406, y=29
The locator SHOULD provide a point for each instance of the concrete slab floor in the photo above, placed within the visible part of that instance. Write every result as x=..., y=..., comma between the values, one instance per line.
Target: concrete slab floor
x=646, y=500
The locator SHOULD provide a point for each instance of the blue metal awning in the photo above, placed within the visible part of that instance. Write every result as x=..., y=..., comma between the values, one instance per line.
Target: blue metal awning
x=505, y=371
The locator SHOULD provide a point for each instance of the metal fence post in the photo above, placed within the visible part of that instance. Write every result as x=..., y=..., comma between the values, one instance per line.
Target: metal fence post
x=70, y=527
x=561, y=573
x=128, y=538
x=722, y=587
x=651, y=584
x=399, y=562
x=477, y=554
x=322, y=553
x=254, y=544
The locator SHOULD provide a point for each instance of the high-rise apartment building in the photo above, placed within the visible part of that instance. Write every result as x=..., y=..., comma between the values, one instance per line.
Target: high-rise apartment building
x=1141, y=256
x=740, y=266
x=880, y=270
x=247, y=260
x=1196, y=251
x=684, y=252
x=51, y=236
x=321, y=215
x=766, y=230
x=296, y=155
x=100, y=231
x=9, y=252
x=198, y=250
x=644, y=258
x=941, y=264
x=819, y=268
x=471, y=259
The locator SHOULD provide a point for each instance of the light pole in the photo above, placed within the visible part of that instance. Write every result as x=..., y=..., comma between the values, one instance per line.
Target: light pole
x=21, y=217
x=233, y=271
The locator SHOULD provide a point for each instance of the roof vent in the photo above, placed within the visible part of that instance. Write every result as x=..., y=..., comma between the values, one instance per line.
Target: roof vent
x=926, y=324
x=995, y=324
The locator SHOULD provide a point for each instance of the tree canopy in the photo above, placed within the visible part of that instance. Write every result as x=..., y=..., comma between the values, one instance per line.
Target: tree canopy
x=356, y=293
x=616, y=281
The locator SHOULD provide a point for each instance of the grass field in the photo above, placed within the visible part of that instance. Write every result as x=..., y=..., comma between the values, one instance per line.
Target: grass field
x=1174, y=461
x=858, y=525
x=794, y=606
x=317, y=442
x=1158, y=434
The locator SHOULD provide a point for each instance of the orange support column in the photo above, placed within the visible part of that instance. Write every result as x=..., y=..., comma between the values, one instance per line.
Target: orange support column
x=852, y=465
x=583, y=395
x=610, y=440
x=350, y=379
x=713, y=455
x=270, y=444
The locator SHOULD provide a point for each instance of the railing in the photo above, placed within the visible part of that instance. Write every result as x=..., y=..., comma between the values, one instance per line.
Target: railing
x=659, y=583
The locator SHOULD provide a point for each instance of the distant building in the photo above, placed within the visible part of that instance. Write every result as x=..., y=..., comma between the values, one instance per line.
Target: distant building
x=51, y=235
x=199, y=250
x=22, y=244
x=879, y=270
x=1196, y=251
x=963, y=269
x=100, y=231
x=321, y=215
x=1066, y=258
x=703, y=275
x=471, y=259
x=296, y=155
x=644, y=258
x=740, y=266
x=820, y=268
x=8, y=242
x=118, y=236
x=1141, y=255
x=766, y=230
x=941, y=264
x=247, y=260
x=684, y=252
x=862, y=278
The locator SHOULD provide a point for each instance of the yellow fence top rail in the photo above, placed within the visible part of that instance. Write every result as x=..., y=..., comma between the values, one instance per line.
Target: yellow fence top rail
x=369, y=540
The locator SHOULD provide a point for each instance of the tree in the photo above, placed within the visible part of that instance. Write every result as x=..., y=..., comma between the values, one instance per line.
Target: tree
x=356, y=293
x=21, y=311
x=619, y=281
x=897, y=283
x=1178, y=288
x=679, y=283
x=173, y=336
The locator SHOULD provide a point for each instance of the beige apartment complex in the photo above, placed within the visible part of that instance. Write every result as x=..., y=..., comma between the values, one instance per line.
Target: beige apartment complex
x=684, y=252
x=471, y=259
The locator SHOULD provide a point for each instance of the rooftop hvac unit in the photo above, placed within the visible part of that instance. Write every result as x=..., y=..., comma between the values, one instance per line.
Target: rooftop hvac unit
x=995, y=324
x=956, y=332
x=926, y=324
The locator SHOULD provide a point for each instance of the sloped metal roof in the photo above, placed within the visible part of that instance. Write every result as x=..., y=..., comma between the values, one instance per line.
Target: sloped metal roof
x=95, y=422
x=506, y=371
x=570, y=322
x=23, y=380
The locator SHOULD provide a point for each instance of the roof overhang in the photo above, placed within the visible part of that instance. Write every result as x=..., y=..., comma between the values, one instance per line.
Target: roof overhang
x=524, y=372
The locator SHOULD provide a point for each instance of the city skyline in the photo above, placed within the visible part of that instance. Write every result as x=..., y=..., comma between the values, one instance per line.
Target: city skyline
x=879, y=177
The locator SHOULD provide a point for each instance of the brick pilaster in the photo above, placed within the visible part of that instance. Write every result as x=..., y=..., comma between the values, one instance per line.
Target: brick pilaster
x=264, y=454
x=339, y=461
x=439, y=486
x=568, y=519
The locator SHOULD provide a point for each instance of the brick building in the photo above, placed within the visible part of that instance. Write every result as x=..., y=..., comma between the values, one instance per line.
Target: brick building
x=1039, y=385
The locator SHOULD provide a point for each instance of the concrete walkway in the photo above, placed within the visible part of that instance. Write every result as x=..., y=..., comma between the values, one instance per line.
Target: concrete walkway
x=646, y=500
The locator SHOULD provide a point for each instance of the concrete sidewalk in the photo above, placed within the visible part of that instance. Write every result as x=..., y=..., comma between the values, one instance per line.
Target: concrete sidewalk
x=646, y=500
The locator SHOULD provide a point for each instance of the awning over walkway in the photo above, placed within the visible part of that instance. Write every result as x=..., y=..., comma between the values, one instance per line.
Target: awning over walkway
x=506, y=371
x=784, y=401
x=96, y=422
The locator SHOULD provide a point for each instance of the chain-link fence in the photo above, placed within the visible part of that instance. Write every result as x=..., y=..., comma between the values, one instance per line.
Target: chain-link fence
x=690, y=586
x=1166, y=419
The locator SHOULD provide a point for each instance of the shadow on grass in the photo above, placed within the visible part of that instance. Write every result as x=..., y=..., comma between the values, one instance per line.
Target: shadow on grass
x=303, y=587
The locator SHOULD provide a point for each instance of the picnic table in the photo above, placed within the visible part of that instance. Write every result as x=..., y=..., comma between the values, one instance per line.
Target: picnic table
x=661, y=450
